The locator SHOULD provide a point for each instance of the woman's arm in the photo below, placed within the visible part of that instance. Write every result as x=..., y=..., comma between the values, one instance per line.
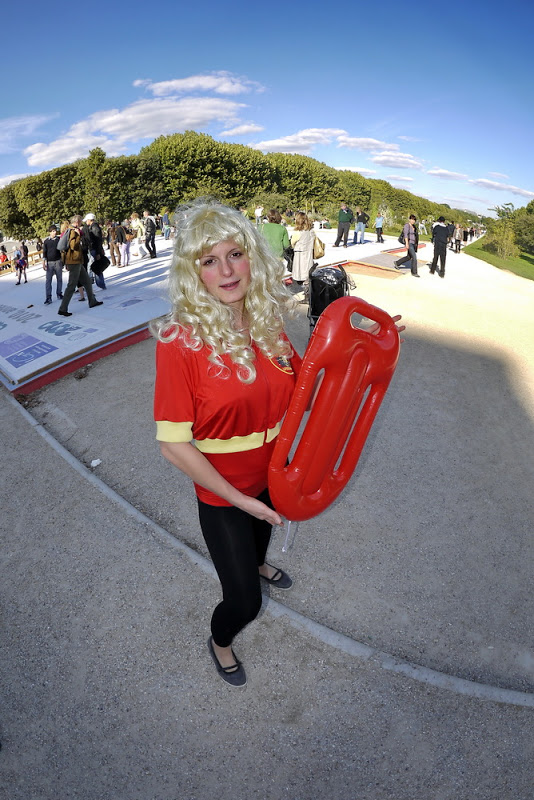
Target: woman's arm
x=196, y=466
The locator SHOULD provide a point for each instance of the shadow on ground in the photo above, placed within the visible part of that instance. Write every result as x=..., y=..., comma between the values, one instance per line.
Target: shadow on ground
x=427, y=555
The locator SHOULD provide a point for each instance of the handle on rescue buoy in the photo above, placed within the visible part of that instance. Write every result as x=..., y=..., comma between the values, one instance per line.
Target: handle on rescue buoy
x=357, y=368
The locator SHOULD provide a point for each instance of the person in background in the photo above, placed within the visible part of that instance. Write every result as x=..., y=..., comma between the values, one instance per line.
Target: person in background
x=458, y=233
x=275, y=233
x=411, y=237
x=379, y=224
x=52, y=264
x=139, y=230
x=166, y=222
x=361, y=223
x=302, y=241
x=150, y=233
x=344, y=219
x=113, y=244
x=123, y=237
x=75, y=244
x=92, y=233
x=21, y=262
x=441, y=232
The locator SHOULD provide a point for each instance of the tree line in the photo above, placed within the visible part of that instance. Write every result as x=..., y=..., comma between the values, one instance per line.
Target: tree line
x=176, y=168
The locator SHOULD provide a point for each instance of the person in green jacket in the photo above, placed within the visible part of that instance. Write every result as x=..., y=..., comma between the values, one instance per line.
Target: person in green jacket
x=344, y=219
x=275, y=232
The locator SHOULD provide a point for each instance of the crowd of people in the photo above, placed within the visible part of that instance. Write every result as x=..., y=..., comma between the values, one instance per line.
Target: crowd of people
x=78, y=246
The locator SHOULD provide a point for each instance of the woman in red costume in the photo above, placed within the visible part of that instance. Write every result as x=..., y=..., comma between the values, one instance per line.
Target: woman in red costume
x=225, y=372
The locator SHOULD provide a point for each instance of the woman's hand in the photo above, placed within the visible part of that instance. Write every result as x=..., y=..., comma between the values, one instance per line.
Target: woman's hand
x=376, y=326
x=259, y=510
x=197, y=467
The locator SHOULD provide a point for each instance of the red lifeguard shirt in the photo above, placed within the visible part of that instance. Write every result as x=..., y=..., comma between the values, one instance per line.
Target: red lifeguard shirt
x=232, y=423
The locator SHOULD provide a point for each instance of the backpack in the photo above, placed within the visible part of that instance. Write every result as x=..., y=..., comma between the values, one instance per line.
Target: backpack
x=73, y=253
x=402, y=240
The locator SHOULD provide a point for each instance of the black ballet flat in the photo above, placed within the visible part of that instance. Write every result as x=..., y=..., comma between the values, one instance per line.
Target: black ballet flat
x=233, y=676
x=280, y=579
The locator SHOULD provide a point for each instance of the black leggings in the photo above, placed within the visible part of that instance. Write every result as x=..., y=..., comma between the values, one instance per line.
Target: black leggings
x=237, y=543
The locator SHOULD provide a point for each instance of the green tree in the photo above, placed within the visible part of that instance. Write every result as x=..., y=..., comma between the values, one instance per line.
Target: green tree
x=13, y=221
x=523, y=225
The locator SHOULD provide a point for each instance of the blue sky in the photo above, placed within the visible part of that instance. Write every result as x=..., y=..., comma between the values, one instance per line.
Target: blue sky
x=437, y=100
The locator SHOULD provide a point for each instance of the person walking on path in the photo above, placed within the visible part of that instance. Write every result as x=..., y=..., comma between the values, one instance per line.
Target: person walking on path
x=344, y=220
x=379, y=224
x=123, y=237
x=225, y=373
x=113, y=244
x=150, y=233
x=52, y=265
x=139, y=230
x=440, y=236
x=411, y=237
x=76, y=245
x=361, y=223
x=458, y=232
x=93, y=235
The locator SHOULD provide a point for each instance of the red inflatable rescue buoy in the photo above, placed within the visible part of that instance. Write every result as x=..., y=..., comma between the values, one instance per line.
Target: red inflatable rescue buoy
x=357, y=366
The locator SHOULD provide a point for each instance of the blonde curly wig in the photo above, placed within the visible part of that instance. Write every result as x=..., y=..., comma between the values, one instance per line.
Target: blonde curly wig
x=197, y=317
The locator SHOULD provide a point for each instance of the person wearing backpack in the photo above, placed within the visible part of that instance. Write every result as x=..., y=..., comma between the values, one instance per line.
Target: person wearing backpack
x=411, y=239
x=74, y=247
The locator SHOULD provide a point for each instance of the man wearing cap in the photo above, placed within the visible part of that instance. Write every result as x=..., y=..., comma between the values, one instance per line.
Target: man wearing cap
x=93, y=234
x=52, y=264
x=440, y=236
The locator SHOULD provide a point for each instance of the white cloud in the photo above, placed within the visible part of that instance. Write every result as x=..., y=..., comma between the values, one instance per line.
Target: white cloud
x=409, y=139
x=502, y=187
x=7, y=179
x=302, y=142
x=397, y=160
x=361, y=170
x=12, y=129
x=445, y=173
x=219, y=82
x=498, y=175
x=362, y=143
x=241, y=130
x=112, y=129
x=398, y=178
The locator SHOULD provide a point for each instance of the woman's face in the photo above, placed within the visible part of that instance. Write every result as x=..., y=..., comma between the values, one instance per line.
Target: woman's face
x=225, y=272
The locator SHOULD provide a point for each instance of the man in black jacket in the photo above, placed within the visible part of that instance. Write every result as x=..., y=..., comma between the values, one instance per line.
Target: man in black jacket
x=92, y=234
x=440, y=235
x=150, y=234
x=52, y=264
x=361, y=223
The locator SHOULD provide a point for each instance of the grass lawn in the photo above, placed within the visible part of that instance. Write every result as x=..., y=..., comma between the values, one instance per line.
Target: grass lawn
x=523, y=265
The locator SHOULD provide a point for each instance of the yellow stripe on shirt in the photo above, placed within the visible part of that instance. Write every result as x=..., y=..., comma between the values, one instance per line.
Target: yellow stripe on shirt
x=182, y=432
